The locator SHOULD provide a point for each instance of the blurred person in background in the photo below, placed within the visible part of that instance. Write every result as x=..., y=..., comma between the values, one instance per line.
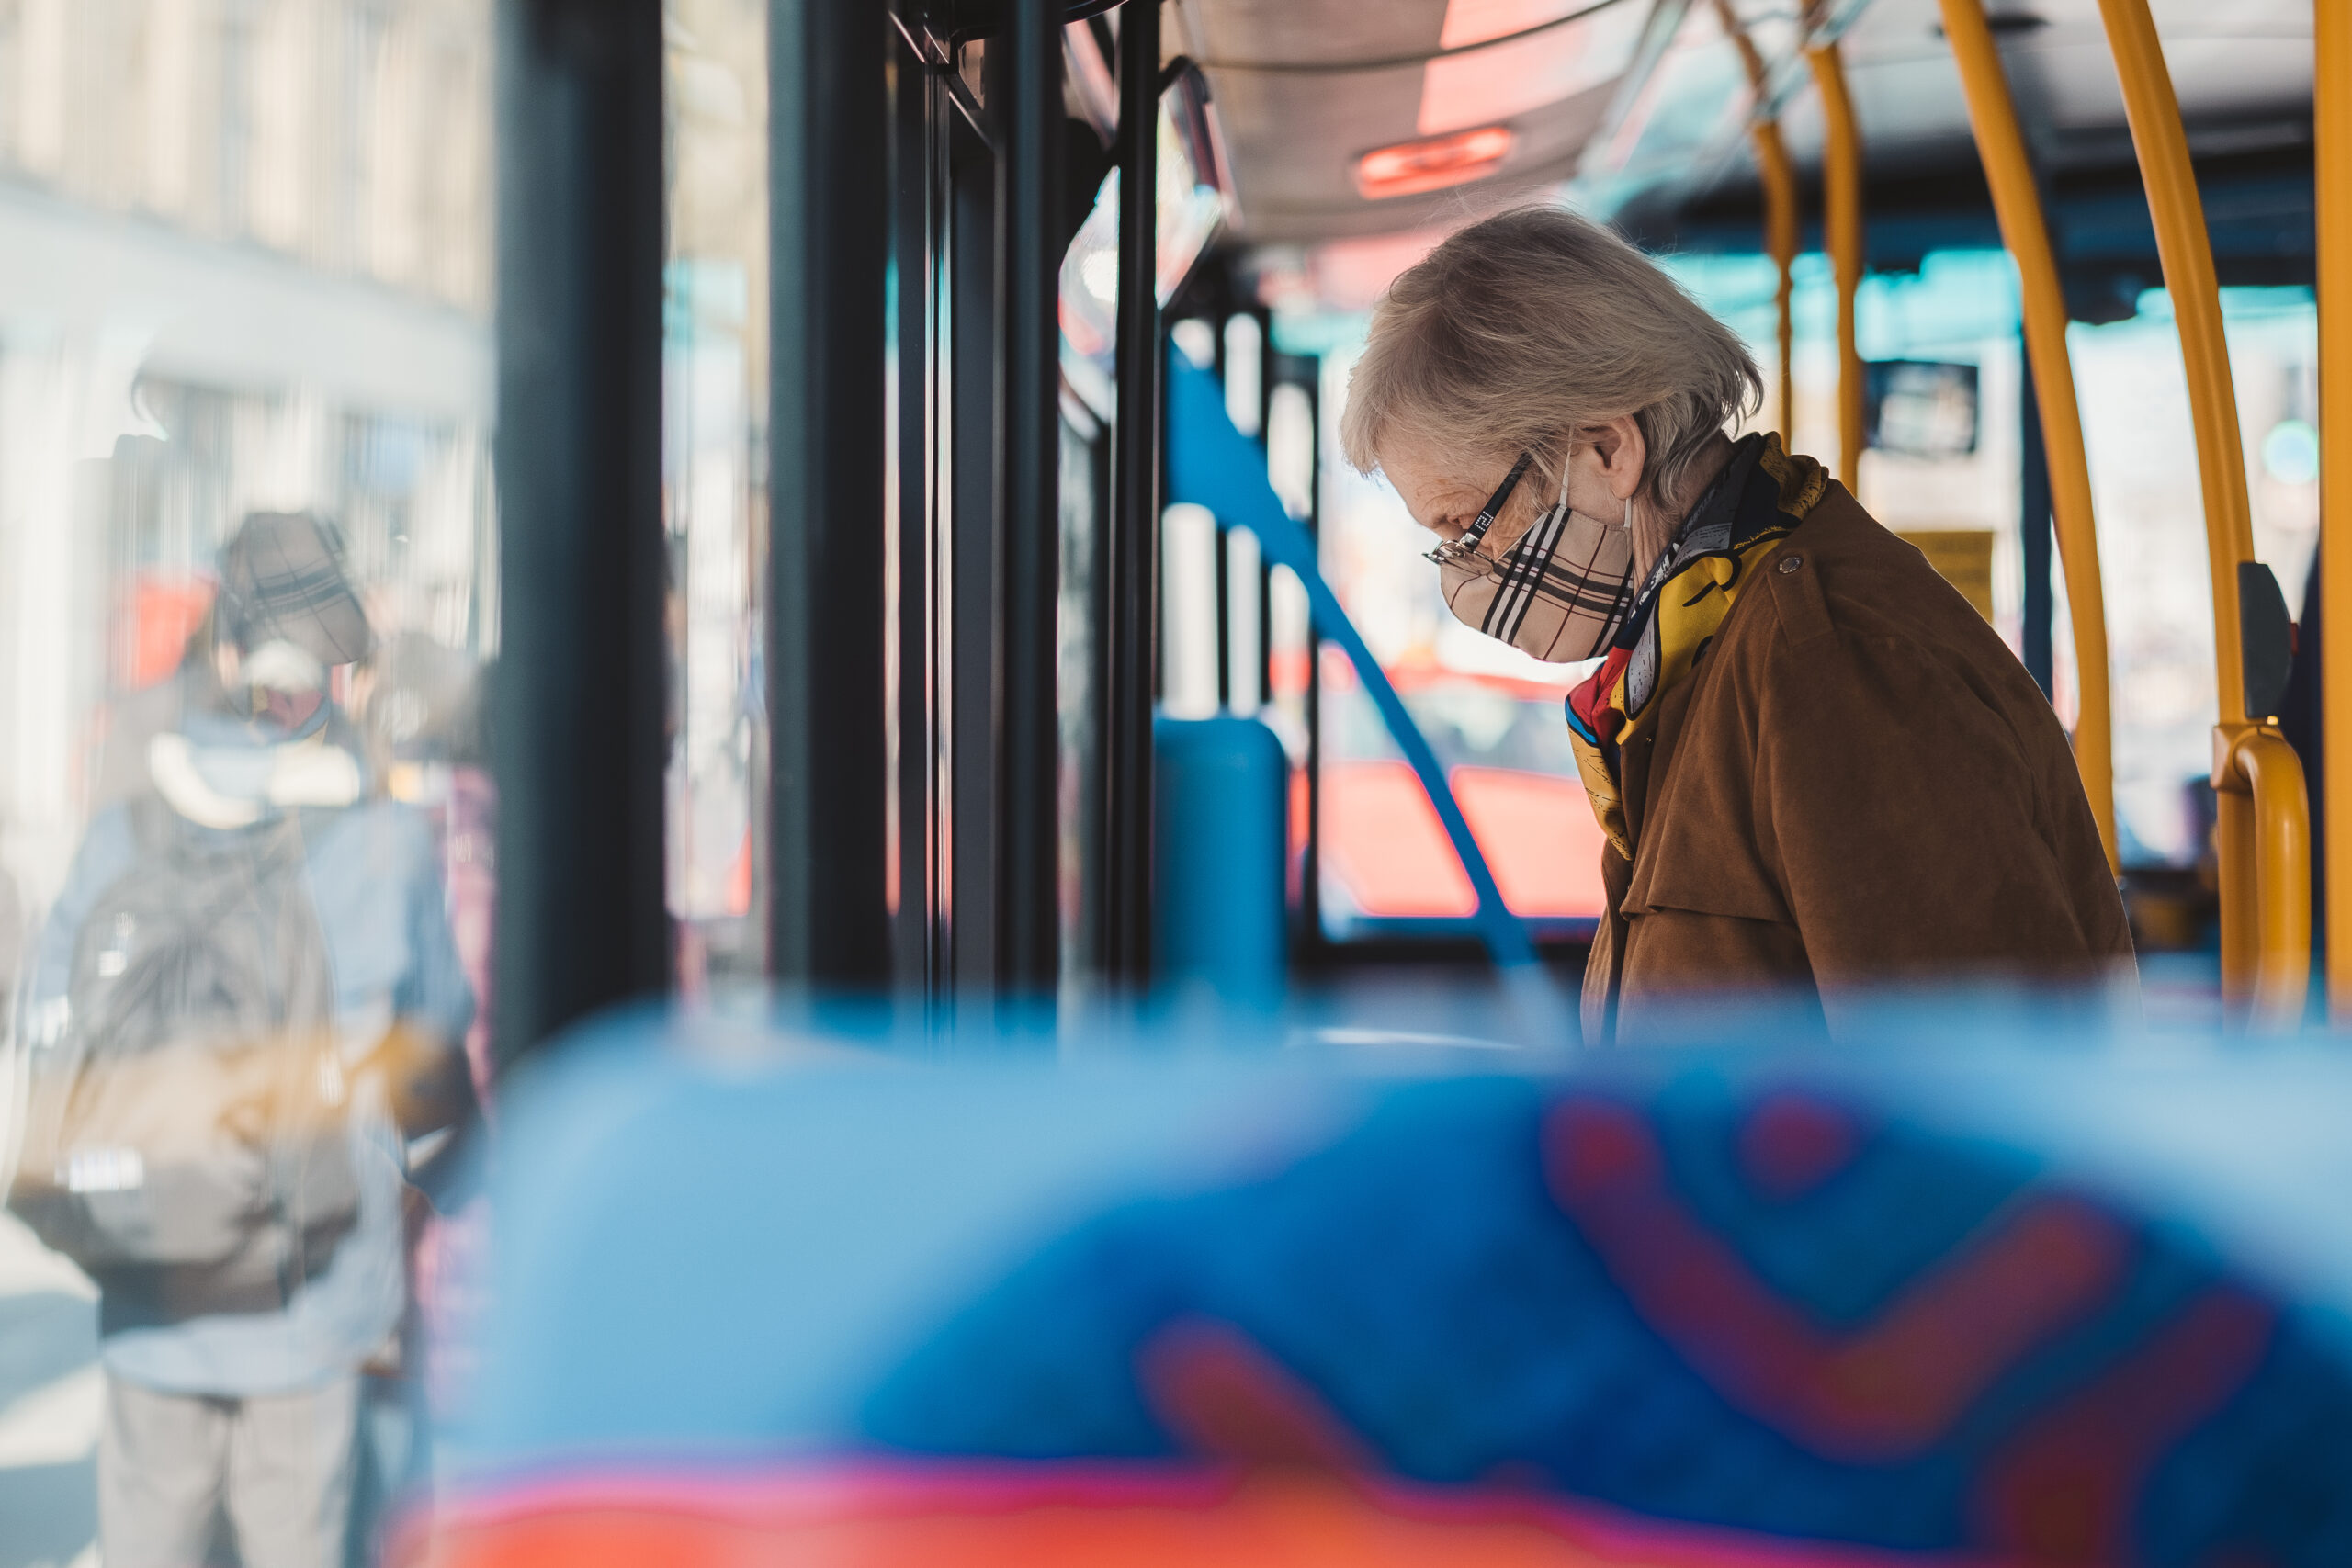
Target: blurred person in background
x=1816, y=767
x=244, y=1005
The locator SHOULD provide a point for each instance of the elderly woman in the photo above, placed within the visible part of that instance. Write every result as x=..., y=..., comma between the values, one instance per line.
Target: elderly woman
x=1816, y=766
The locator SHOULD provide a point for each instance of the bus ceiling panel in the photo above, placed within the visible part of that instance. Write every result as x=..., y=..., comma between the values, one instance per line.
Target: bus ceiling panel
x=1298, y=150
x=2243, y=70
x=1346, y=34
x=1346, y=119
x=2232, y=64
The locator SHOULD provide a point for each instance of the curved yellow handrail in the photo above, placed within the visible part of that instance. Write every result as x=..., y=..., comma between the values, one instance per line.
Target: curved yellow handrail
x=1779, y=177
x=1841, y=236
x=2017, y=202
x=2332, y=139
x=2269, y=834
x=2250, y=957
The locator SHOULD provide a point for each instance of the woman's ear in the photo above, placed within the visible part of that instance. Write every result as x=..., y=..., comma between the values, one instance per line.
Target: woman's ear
x=1622, y=453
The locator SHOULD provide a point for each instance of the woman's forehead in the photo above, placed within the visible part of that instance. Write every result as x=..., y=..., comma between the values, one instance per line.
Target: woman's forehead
x=1431, y=467
x=1440, y=492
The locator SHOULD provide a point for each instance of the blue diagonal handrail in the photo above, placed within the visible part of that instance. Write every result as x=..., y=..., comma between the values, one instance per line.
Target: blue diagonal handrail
x=1214, y=466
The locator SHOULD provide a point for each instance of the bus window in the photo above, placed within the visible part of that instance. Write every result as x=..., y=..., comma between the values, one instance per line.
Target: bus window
x=249, y=597
x=714, y=375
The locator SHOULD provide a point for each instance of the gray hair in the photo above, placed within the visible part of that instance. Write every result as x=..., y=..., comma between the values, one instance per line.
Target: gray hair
x=1534, y=322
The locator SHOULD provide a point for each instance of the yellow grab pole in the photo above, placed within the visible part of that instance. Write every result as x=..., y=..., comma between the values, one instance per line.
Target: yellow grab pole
x=2332, y=138
x=2251, y=939
x=1779, y=177
x=1842, y=235
x=2017, y=202
x=2188, y=258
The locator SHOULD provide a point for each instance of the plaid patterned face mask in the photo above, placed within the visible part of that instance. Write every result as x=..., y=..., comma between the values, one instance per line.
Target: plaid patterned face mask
x=1562, y=592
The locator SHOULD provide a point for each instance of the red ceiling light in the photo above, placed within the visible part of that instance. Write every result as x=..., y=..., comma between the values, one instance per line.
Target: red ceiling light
x=1433, y=163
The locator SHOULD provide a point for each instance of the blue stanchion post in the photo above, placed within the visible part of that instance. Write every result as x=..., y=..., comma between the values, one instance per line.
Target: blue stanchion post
x=1220, y=797
x=1213, y=465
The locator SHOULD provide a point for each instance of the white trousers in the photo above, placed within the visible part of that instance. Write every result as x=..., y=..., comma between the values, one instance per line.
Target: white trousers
x=280, y=1465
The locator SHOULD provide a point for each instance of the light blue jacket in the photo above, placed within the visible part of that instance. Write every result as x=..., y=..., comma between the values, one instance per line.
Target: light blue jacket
x=375, y=882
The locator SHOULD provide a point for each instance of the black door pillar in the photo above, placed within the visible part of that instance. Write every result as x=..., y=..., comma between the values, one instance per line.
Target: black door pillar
x=828, y=226
x=1130, y=630
x=579, y=700
x=1025, y=102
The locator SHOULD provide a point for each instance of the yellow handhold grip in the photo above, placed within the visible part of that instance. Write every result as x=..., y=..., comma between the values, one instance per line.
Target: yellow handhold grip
x=2264, y=828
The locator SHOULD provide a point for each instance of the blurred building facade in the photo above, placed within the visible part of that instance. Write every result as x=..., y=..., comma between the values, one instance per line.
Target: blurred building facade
x=244, y=264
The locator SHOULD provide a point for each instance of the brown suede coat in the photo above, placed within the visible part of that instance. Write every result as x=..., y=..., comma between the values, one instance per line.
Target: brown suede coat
x=1857, y=785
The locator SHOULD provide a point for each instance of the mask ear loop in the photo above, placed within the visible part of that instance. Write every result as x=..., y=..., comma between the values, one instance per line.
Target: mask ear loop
x=1626, y=595
x=1560, y=508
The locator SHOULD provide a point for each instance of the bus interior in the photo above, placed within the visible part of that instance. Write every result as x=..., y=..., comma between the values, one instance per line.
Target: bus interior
x=1014, y=972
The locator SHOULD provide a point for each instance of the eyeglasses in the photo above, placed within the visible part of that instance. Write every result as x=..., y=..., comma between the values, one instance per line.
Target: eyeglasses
x=1455, y=549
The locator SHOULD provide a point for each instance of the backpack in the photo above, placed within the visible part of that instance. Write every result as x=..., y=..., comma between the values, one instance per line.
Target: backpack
x=186, y=1133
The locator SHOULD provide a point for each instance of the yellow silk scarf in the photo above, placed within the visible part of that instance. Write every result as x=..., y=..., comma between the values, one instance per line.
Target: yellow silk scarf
x=1764, y=493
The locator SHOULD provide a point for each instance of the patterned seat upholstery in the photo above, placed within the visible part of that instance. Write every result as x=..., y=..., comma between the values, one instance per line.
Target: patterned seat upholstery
x=1706, y=1311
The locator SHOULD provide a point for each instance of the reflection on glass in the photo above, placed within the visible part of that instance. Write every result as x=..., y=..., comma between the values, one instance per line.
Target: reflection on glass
x=1192, y=206
x=715, y=400
x=247, y=592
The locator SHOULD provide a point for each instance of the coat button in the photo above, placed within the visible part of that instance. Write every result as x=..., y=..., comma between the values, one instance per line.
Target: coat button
x=1790, y=564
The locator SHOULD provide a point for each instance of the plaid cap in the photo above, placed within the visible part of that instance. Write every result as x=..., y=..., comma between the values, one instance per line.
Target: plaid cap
x=282, y=576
